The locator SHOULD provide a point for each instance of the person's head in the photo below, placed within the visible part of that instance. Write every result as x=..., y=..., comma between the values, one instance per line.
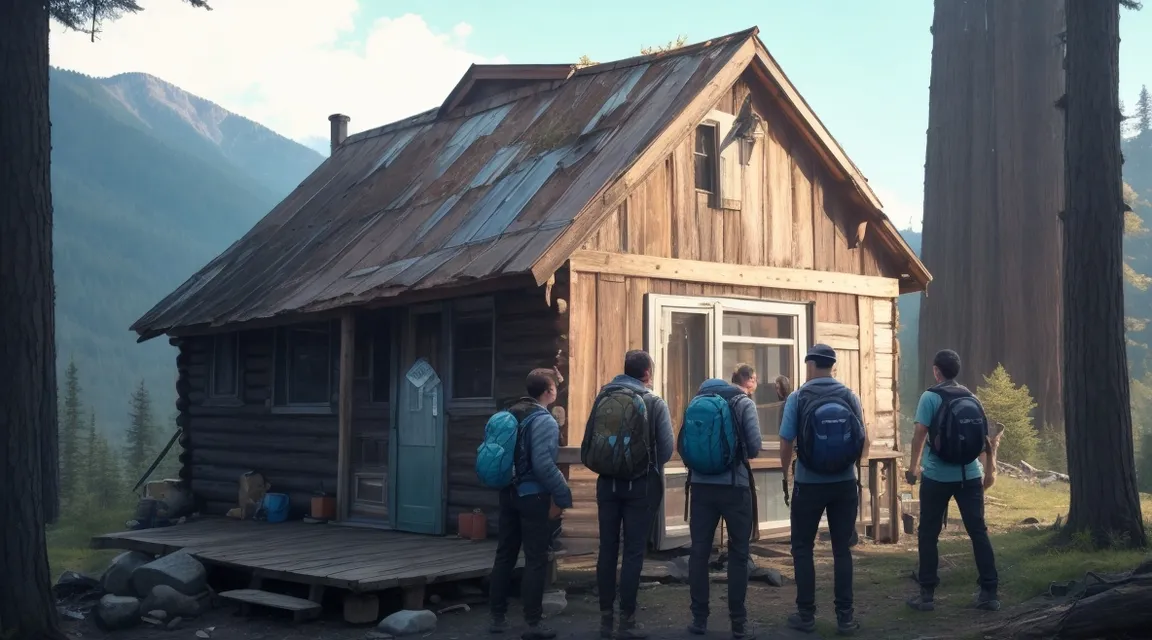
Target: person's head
x=820, y=360
x=783, y=387
x=638, y=364
x=541, y=386
x=946, y=365
x=744, y=376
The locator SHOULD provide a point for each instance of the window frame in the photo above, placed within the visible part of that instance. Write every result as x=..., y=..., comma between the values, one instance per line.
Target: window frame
x=213, y=394
x=282, y=366
x=714, y=168
x=391, y=336
x=464, y=310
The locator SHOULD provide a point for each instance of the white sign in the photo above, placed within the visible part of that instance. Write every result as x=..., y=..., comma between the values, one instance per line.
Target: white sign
x=420, y=373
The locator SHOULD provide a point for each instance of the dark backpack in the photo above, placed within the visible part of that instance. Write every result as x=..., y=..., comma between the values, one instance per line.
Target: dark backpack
x=959, y=430
x=618, y=436
x=830, y=439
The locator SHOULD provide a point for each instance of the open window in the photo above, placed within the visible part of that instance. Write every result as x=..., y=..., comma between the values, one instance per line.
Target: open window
x=306, y=362
x=719, y=157
x=224, y=376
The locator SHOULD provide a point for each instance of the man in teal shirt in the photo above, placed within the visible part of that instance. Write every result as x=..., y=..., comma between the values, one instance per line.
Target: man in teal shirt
x=940, y=483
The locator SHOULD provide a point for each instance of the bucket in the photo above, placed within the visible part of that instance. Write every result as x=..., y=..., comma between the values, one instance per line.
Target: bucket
x=473, y=526
x=276, y=506
x=323, y=507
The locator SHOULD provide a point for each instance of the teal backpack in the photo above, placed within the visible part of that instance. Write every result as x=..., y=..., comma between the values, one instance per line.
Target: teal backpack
x=708, y=443
x=504, y=456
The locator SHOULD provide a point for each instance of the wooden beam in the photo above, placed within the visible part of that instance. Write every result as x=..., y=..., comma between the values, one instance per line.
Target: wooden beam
x=347, y=383
x=866, y=309
x=733, y=274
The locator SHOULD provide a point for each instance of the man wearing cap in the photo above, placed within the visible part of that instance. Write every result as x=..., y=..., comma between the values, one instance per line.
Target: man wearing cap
x=813, y=494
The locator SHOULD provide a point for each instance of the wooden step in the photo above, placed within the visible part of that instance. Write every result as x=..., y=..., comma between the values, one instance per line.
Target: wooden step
x=301, y=609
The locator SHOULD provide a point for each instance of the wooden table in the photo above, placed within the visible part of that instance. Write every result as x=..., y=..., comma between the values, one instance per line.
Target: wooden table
x=887, y=461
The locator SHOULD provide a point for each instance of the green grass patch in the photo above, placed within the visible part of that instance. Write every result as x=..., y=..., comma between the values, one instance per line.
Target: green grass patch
x=68, y=540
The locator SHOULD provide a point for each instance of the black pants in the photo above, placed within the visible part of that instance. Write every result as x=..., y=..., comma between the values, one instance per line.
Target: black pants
x=523, y=522
x=810, y=501
x=934, y=497
x=627, y=504
x=709, y=503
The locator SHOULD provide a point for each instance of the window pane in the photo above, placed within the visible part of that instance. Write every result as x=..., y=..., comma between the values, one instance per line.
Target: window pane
x=705, y=158
x=758, y=326
x=472, y=355
x=373, y=451
x=674, y=500
x=371, y=489
x=686, y=361
x=770, y=361
x=770, y=495
x=224, y=365
x=381, y=360
x=308, y=365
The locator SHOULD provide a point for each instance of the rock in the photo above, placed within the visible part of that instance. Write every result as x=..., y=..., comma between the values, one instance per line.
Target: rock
x=767, y=575
x=117, y=612
x=1030, y=521
x=555, y=602
x=1145, y=567
x=645, y=586
x=377, y=635
x=471, y=590
x=408, y=622
x=173, y=603
x=178, y=570
x=117, y=578
x=174, y=623
x=150, y=620
x=72, y=584
x=159, y=614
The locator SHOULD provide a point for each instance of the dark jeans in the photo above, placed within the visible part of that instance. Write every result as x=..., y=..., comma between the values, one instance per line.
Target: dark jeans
x=621, y=503
x=709, y=503
x=523, y=522
x=809, y=503
x=934, y=497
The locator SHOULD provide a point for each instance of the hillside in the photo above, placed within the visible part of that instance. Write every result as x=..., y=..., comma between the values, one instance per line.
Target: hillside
x=149, y=183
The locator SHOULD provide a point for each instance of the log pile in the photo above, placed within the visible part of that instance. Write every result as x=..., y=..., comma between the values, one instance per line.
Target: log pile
x=1096, y=607
x=1029, y=473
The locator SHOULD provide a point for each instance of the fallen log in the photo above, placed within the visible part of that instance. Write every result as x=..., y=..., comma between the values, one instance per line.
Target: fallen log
x=1104, y=608
x=1044, y=475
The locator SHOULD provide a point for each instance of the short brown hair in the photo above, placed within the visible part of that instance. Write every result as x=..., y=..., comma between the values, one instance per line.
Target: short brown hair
x=637, y=363
x=743, y=373
x=538, y=382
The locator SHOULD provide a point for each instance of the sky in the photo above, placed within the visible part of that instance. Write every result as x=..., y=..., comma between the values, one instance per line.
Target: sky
x=288, y=64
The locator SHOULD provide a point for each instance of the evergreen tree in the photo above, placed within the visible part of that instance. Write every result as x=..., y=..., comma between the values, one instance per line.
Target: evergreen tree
x=141, y=432
x=1143, y=111
x=1006, y=403
x=70, y=427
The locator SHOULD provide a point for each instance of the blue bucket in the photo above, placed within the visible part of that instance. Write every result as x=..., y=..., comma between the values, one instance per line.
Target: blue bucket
x=276, y=507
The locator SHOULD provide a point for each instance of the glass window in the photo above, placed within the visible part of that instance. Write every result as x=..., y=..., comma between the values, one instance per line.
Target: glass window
x=371, y=489
x=472, y=356
x=770, y=496
x=753, y=325
x=704, y=154
x=381, y=370
x=304, y=365
x=225, y=369
x=769, y=360
x=686, y=360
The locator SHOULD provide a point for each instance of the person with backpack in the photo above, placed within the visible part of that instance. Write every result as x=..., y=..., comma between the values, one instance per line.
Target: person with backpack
x=627, y=441
x=823, y=426
x=720, y=433
x=518, y=457
x=952, y=422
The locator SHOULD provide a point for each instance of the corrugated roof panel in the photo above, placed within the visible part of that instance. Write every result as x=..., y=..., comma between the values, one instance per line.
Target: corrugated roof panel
x=495, y=166
x=398, y=143
x=617, y=98
x=478, y=126
x=512, y=205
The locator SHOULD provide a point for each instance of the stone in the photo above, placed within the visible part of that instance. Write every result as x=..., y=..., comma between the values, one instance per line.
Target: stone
x=555, y=602
x=159, y=614
x=175, y=623
x=767, y=575
x=117, y=578
x=178, y=570
x=72, y=584
x=408, y=622
x=1030, y=521
x=150, y=620
x=117, y=612
x=377, y=635
x=173, y=603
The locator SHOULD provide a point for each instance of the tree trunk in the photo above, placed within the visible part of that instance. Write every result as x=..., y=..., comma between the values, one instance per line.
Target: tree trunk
x=1098, y=418
x=992, y=190
x=28, y=471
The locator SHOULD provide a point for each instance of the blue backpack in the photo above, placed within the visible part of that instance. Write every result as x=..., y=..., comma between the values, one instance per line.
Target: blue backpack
x=708, y=443
x=831, y=437
x=503, y=456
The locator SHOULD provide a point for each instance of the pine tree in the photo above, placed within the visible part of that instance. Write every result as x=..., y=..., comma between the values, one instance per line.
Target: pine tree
x=141, y=432
x=1143, y=111
x=1012, y=406
x=70, y=426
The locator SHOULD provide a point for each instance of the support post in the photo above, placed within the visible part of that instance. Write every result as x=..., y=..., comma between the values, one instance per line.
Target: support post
x=347, y=380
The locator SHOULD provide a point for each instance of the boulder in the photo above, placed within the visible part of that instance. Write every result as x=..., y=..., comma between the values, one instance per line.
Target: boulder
x=117, y=612
x=555, y=602
x=767, y=575
x=72, y=584
x=178, y=570
x=117, y=578
x=173, y=603
x=408, y=622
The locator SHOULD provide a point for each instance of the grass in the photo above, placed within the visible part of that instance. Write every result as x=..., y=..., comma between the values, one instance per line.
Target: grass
x=68, y=540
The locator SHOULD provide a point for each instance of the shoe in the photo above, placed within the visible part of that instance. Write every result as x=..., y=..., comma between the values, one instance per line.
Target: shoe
x=538, y=631
x=846, y=623
x=922, y=602
x=987, y=600
x=498, y=624
x=606, y=623
x=698, y=626
x=802, y=622
x=742, y=631
x=630, y=629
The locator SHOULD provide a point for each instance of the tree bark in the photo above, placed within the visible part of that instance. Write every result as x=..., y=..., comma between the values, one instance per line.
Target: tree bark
x=992, y=190
x=1098, y=418
x=28, y=457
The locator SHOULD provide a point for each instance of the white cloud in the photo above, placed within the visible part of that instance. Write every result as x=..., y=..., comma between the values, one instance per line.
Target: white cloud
x=287, y=64
x=903, y=213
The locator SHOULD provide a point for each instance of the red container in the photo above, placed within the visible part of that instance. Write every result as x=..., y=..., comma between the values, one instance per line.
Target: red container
x=473, y=526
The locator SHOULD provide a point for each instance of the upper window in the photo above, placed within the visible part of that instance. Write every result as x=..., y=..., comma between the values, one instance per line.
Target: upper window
x=225, y=372
x=305, y=361
x=473, y=362
x=705, y=154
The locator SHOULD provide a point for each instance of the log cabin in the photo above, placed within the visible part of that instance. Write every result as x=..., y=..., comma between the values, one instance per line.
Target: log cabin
x=689, y=202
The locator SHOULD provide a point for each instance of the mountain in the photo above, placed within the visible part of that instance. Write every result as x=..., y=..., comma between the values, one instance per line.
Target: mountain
x=149, y=183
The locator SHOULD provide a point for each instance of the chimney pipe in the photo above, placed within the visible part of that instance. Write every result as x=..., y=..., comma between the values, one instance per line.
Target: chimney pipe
x=339, y=129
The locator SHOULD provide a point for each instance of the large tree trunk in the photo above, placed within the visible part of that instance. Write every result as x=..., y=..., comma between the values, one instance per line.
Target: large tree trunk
x=992, y=191
x=28, y=474
x=1097, y=414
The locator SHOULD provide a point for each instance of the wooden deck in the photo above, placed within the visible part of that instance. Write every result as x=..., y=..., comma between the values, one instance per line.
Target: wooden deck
x=358, y=559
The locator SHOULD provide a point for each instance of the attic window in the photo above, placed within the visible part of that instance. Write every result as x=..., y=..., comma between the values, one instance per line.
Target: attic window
x=705, y=154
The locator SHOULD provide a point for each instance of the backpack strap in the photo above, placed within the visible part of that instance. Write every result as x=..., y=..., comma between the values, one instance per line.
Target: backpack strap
x=525, y=443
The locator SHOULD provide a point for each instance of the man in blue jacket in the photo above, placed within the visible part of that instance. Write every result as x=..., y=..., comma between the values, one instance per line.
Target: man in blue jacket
x=630, y=504
x=814, y=494
x=727, y=495
x=525, y=509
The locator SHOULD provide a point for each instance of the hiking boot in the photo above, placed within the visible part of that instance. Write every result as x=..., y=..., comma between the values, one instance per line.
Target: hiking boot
x=846, y=623
x=538, y=631
x=922, y=602
x=629, y=628
x=698, y=626
x=987, y=600
x=606, y=624
x=498, y=624
x=742, y=631
x=805, y=622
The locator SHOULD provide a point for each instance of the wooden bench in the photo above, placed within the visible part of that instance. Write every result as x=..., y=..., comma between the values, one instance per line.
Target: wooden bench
x=302, y=610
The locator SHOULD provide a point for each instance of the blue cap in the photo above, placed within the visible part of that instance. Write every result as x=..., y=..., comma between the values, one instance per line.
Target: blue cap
x=822, y=353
